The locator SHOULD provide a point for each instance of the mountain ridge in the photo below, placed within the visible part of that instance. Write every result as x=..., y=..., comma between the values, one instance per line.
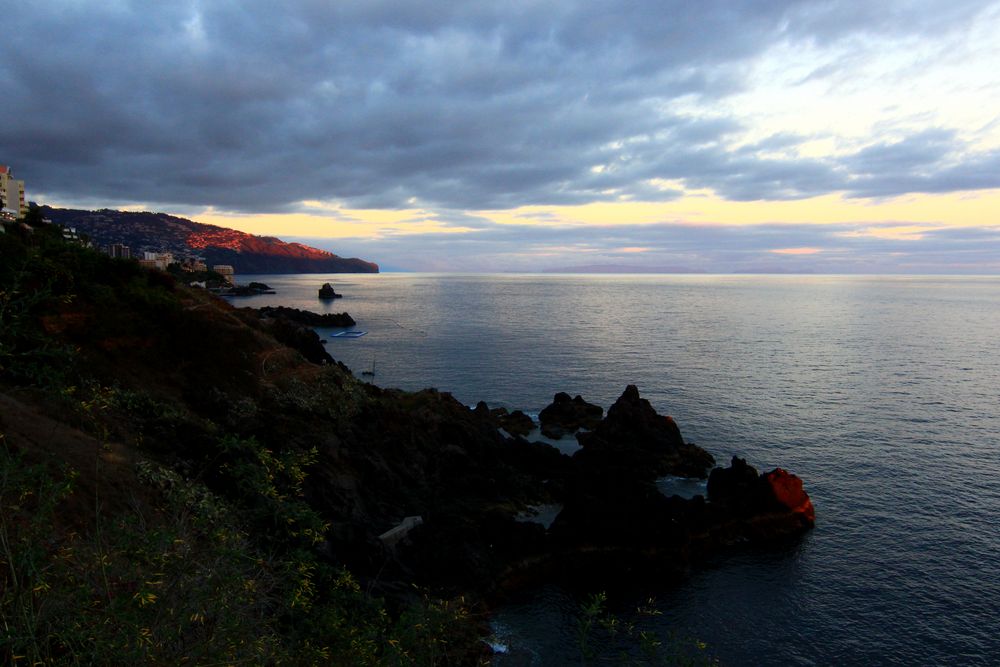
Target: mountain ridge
x=161, y=232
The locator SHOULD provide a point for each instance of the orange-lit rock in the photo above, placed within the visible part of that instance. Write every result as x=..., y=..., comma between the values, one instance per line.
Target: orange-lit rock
x=787, y=490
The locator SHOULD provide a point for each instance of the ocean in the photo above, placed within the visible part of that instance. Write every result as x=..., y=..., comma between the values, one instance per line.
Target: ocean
x=880, y=392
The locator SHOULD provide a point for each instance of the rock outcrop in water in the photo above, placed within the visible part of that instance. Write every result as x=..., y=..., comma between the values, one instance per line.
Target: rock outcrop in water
x=614, y=522
x=516, y=423
x=746, y=493
x=567, y=415
x=327, y=292
x=650, y=445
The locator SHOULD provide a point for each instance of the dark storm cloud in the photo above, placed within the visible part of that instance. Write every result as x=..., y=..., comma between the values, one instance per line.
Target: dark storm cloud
x=256, y=106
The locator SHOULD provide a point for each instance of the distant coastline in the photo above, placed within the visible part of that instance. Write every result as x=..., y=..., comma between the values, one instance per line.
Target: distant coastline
x=160, y=232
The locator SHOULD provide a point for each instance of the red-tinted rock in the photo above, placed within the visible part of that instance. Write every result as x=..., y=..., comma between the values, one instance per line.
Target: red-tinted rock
x=787, y=490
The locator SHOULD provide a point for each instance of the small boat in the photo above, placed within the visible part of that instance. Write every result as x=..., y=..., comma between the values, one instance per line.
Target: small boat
x=348, y=334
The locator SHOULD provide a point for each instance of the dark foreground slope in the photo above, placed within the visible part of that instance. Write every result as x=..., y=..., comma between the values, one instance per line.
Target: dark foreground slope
x=159, y=232
x=181, y=482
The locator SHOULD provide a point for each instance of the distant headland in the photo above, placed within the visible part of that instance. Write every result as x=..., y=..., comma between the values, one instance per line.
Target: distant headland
x=160, y=232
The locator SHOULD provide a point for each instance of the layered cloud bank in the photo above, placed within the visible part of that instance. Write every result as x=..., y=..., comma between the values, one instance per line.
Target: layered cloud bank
x=384, y=122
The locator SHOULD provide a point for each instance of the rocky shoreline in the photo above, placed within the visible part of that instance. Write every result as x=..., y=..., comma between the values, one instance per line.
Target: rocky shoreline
x=614, y=524
x=307, y=317
x=468, y=472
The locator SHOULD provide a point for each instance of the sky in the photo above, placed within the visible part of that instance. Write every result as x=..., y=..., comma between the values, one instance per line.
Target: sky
x=717, y=136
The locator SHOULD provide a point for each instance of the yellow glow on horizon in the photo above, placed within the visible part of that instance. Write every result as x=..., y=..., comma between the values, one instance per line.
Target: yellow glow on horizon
x=896, y=218
x=954, y=209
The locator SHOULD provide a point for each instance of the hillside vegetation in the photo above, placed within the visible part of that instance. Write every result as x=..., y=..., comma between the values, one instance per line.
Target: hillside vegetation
x=158, y=457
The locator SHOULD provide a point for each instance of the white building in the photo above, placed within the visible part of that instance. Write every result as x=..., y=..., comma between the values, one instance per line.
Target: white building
x=157, y=260
x=12, y=193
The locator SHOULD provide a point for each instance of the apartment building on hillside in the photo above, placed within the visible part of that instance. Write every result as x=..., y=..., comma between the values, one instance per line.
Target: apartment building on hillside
x=12, y=193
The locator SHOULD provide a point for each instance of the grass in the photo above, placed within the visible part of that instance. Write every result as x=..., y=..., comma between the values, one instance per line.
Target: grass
x=185, y=582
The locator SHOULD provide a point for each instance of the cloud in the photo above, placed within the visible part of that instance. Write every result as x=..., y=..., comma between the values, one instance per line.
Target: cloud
x=932, y=161
x=676, y=247
x=796, y=251
x=258, y=106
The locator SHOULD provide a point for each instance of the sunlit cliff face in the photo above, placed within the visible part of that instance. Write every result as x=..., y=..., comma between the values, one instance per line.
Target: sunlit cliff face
x=237, y=241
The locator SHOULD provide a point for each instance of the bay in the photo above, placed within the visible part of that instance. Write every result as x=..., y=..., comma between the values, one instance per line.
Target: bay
x=879, y=391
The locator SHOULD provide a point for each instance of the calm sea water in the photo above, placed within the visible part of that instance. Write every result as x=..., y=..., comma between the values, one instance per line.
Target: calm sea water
x=880, y=392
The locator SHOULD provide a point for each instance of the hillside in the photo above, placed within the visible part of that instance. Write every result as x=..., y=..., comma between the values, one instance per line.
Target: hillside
x=159, y=232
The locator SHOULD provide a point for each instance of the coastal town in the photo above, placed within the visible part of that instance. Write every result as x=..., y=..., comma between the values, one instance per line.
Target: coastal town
x=17, y=213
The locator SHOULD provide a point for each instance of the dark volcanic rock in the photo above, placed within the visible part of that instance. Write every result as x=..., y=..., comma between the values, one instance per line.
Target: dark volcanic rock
x=614, y=526
x=744, y=492
x=307, y=317
x=539, y=459
x=517, y=423
x=302, y=338
x=739, y=482
x=635, y=436
x=253, y=289
x=609, y=509
x=567, y=415
x=611, y=498
x=286, y=325
x=327, y=292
